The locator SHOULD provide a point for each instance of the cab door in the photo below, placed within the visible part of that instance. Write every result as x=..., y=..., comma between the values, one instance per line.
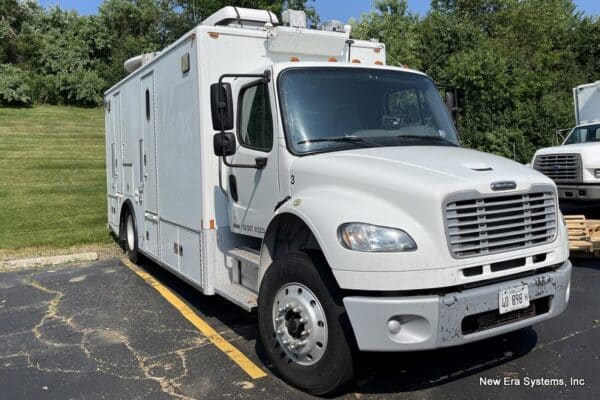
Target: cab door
x=253, y=193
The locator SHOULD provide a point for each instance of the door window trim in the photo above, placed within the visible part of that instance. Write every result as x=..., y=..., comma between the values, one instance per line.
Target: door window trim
x=239, y=116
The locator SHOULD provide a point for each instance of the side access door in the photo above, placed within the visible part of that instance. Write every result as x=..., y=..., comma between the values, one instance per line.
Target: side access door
x=147, y=192
x=117, y=145
x=148, y=147
x=253, y=193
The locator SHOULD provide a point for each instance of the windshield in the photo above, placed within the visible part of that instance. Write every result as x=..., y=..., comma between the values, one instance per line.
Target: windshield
x=584, y=134
x=327, y=109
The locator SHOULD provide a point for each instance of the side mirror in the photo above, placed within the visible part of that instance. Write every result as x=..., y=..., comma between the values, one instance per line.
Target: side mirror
x=224, y=144
x=221, y=104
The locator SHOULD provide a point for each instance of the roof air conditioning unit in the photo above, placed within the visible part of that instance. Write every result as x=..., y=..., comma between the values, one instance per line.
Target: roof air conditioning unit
x=238, y=16
x=294, y=18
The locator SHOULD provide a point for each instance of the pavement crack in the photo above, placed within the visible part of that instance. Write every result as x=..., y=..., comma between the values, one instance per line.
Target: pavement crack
x=567, y=337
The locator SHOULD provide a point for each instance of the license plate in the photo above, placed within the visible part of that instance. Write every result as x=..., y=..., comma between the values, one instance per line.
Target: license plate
x=513, y=299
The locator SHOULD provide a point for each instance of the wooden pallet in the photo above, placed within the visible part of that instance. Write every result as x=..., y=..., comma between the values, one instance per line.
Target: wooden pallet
x=594, y=227
x=584, y=234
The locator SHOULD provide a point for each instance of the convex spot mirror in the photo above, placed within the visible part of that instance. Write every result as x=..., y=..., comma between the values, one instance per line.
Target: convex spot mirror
x=221, y=104
x=224, y=144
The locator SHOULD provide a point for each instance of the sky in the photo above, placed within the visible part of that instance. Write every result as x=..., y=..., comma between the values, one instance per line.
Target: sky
x=327, y=9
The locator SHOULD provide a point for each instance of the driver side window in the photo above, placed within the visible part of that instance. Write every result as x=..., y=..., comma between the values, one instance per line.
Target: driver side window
x=255, y=126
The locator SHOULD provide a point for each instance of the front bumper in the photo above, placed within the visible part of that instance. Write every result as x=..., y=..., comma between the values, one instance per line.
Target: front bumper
x=433, y=321
x=579, y=192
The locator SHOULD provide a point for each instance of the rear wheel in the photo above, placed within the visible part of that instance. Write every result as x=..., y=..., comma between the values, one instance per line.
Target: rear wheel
x=131, y=242
x=303, y=326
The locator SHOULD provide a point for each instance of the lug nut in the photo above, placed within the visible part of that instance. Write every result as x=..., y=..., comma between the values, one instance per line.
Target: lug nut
x=305, y=333
x=296, y=310
x=303, y=320
x=279, y=332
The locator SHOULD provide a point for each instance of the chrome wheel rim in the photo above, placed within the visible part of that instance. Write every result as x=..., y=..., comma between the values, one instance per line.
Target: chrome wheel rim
x=300, y=324
x=130, y=233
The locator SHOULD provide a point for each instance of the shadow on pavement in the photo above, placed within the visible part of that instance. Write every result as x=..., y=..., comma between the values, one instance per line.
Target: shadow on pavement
x=407, y=372
x=379, y=373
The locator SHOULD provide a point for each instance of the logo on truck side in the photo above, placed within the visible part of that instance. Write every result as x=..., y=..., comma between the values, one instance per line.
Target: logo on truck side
x=506, y=185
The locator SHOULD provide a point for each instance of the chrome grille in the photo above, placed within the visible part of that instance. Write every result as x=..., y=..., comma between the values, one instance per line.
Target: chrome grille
x=559, y=167
x=480, y=225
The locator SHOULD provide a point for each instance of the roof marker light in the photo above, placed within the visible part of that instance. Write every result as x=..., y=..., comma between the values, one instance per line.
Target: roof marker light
x=332, y=59
x=356, y=61
x=294, y=59
x=214, y=35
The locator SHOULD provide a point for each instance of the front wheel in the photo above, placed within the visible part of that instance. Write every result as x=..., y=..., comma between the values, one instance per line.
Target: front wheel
x=303, y=325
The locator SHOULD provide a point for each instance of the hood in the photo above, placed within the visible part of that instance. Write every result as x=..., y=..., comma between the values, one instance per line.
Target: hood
x=592, y=147
x=429, y=169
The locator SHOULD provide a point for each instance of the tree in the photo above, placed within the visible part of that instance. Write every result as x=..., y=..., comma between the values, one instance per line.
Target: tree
x=392, y=23
x=13, y=89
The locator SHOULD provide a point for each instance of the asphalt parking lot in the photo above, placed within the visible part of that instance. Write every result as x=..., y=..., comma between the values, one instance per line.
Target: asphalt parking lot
x=100, y=331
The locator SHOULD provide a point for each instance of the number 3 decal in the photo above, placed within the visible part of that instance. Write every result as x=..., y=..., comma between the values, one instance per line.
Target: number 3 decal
x=292, y=179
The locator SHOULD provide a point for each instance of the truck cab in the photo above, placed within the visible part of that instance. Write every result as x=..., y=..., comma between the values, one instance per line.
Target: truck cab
x=362, y=179
x=575, y=165
x=291, y=171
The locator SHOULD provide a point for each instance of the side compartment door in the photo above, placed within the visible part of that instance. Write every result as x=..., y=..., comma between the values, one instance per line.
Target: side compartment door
x=147, y=148
x=117, y=146
x=253, y=193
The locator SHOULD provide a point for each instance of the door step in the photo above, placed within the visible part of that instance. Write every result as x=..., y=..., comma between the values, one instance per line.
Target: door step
x=242, y=288
x=246, y=255
x=239, y=295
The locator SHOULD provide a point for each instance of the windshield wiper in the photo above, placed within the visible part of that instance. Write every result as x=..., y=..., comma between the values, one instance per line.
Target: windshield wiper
x=344, y=139
x=436, y=139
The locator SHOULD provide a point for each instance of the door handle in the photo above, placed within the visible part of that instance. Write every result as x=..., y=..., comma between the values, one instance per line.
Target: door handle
x=261, y=162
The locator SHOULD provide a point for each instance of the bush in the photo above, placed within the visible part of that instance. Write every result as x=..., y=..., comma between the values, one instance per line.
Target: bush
x=13, y=89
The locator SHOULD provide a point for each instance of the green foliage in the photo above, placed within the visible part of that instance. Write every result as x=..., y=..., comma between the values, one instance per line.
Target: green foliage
x=391, y=23
x=13, y=89
x=513, y=63
x=71, y=59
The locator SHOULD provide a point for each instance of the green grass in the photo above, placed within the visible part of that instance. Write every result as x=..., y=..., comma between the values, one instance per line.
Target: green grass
x=52, y=178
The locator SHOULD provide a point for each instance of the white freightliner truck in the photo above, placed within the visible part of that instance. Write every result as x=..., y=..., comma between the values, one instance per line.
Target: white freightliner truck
x=290, y=170
x=575, y=165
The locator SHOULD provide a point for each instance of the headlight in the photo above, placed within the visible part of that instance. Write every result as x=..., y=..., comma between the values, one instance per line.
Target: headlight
x=371, y=238
x=597, y=173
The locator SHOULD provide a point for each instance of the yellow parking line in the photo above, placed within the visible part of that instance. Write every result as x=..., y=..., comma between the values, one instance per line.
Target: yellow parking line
x=232, y=352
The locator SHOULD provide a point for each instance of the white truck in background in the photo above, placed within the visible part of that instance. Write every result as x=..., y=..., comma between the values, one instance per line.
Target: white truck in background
x=575, y=164
x=290, y=170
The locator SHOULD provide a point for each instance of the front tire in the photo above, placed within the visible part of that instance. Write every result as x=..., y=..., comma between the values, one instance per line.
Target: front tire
x=304, y=327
